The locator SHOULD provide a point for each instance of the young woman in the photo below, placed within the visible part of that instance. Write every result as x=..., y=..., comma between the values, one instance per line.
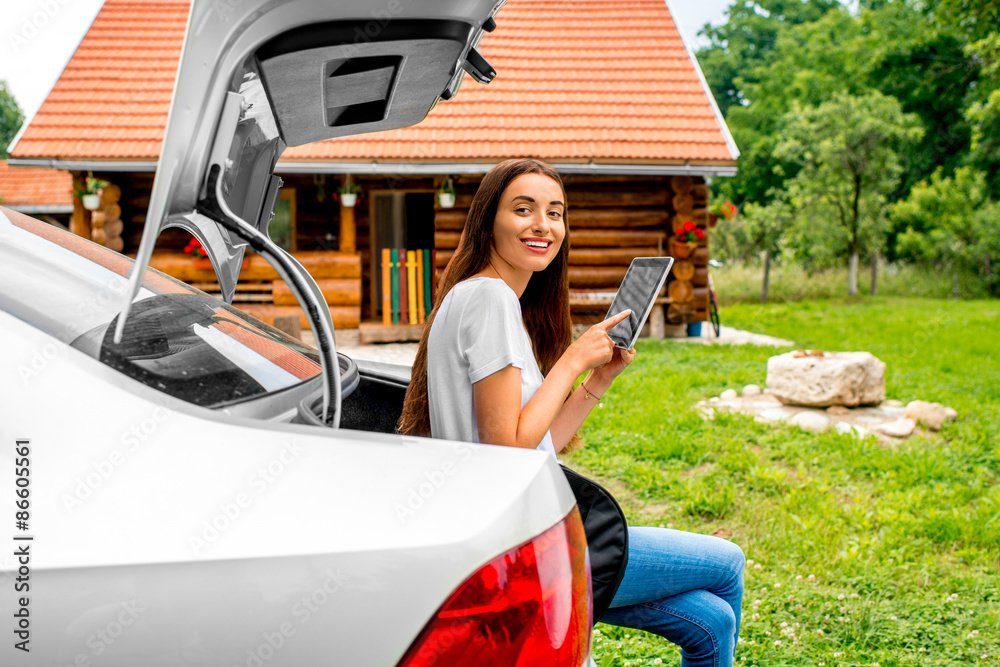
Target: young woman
x=496, y=364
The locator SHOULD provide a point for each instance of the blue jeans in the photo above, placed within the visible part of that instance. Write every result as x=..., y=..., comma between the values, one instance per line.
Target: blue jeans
x=685, y=587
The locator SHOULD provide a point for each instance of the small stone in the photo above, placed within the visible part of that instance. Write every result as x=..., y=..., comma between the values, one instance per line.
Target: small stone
x=751, y=390
x=773, y=414
x=859, y=432
x=951, y=413
x=808, y=420
x=837, y=410
x=894, y=403
x=897, y=429
x=728, y=395
x=714, y=399
x=931, y=415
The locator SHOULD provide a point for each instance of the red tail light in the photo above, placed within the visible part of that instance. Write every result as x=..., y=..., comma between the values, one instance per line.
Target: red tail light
x=529, y=606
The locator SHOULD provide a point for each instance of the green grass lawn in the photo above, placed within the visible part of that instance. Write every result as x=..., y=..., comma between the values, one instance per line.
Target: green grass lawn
x=862, y=553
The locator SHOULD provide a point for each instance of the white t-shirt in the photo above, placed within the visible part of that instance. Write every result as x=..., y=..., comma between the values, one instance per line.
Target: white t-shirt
x=477, y=331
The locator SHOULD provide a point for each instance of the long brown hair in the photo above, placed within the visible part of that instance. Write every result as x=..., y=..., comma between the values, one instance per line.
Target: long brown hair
x=544, y=303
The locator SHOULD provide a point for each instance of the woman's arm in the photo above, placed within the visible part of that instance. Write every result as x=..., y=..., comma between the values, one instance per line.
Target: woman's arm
x=497, y=397
x=499, y=416
x=577, y=408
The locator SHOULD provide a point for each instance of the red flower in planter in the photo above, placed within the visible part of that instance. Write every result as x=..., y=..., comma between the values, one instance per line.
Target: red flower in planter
x=690, y=233
x=195, y=249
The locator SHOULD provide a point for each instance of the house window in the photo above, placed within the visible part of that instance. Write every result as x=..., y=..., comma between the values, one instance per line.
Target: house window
x=282, y=227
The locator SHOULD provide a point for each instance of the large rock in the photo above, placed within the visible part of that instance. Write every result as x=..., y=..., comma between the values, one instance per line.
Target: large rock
x=836, y=378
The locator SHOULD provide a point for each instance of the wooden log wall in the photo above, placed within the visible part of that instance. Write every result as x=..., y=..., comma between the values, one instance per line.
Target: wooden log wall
x=687, y=286
x=262, y=293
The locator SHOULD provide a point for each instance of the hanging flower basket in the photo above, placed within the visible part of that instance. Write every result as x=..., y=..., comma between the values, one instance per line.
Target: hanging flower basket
x=348, y=193
x=89, y=194
x=446, y=193
x=725, y=210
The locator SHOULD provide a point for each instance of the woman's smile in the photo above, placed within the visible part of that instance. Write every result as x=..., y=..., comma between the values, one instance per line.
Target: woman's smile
x=540, y=246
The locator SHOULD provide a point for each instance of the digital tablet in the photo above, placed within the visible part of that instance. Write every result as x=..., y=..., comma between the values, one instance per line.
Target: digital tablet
x=642, y=282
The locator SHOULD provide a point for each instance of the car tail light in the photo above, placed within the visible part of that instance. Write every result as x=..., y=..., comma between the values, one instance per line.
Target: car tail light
x=529, y=606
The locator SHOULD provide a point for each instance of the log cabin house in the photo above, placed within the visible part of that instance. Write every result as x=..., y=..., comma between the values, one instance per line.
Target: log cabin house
x=614, y=99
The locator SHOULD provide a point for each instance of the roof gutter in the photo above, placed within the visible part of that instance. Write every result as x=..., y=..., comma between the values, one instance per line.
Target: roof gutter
x=38, y=209
x=84, y=165
x=437, y=168
x=402, y=168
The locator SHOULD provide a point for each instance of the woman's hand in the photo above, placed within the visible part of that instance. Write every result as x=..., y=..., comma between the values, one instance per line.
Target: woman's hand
x=605, y=374
x=595, y=348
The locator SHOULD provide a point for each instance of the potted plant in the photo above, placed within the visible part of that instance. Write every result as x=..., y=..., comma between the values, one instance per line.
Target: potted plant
x=686, y=240
x=89, y=195
x=446, y=193
x=724, y=209
x=348, y=193
x=199, y=258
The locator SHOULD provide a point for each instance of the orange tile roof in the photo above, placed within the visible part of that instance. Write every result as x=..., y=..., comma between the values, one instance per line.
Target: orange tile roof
x=578, y=80
x=35, y=188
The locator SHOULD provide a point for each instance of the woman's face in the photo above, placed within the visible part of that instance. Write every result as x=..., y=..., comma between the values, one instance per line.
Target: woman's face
x=529, y=227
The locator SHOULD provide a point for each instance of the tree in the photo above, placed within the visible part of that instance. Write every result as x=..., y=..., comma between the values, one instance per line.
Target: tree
x=951, y=224
x=746, y=38
x=763, y=225
x=921, y=61
x=847, y=152
x=806, y=62
x=10, y=119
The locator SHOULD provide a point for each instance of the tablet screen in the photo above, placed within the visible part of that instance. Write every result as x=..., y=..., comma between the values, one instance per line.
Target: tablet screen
x=638, y=290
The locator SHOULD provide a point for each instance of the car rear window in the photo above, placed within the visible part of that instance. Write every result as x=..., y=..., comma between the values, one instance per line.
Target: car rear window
x=177, y=339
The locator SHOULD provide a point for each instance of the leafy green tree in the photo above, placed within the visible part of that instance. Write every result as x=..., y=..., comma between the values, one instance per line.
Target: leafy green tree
x=847, y=153
x=921, y=61
x=763, y=225
x=746, y=38
x=984, y=112
x=806, y=64
x=10, y=119
x=952, y=225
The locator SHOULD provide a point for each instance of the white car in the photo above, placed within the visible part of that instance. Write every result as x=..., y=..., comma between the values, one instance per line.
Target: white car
x=185, y=485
